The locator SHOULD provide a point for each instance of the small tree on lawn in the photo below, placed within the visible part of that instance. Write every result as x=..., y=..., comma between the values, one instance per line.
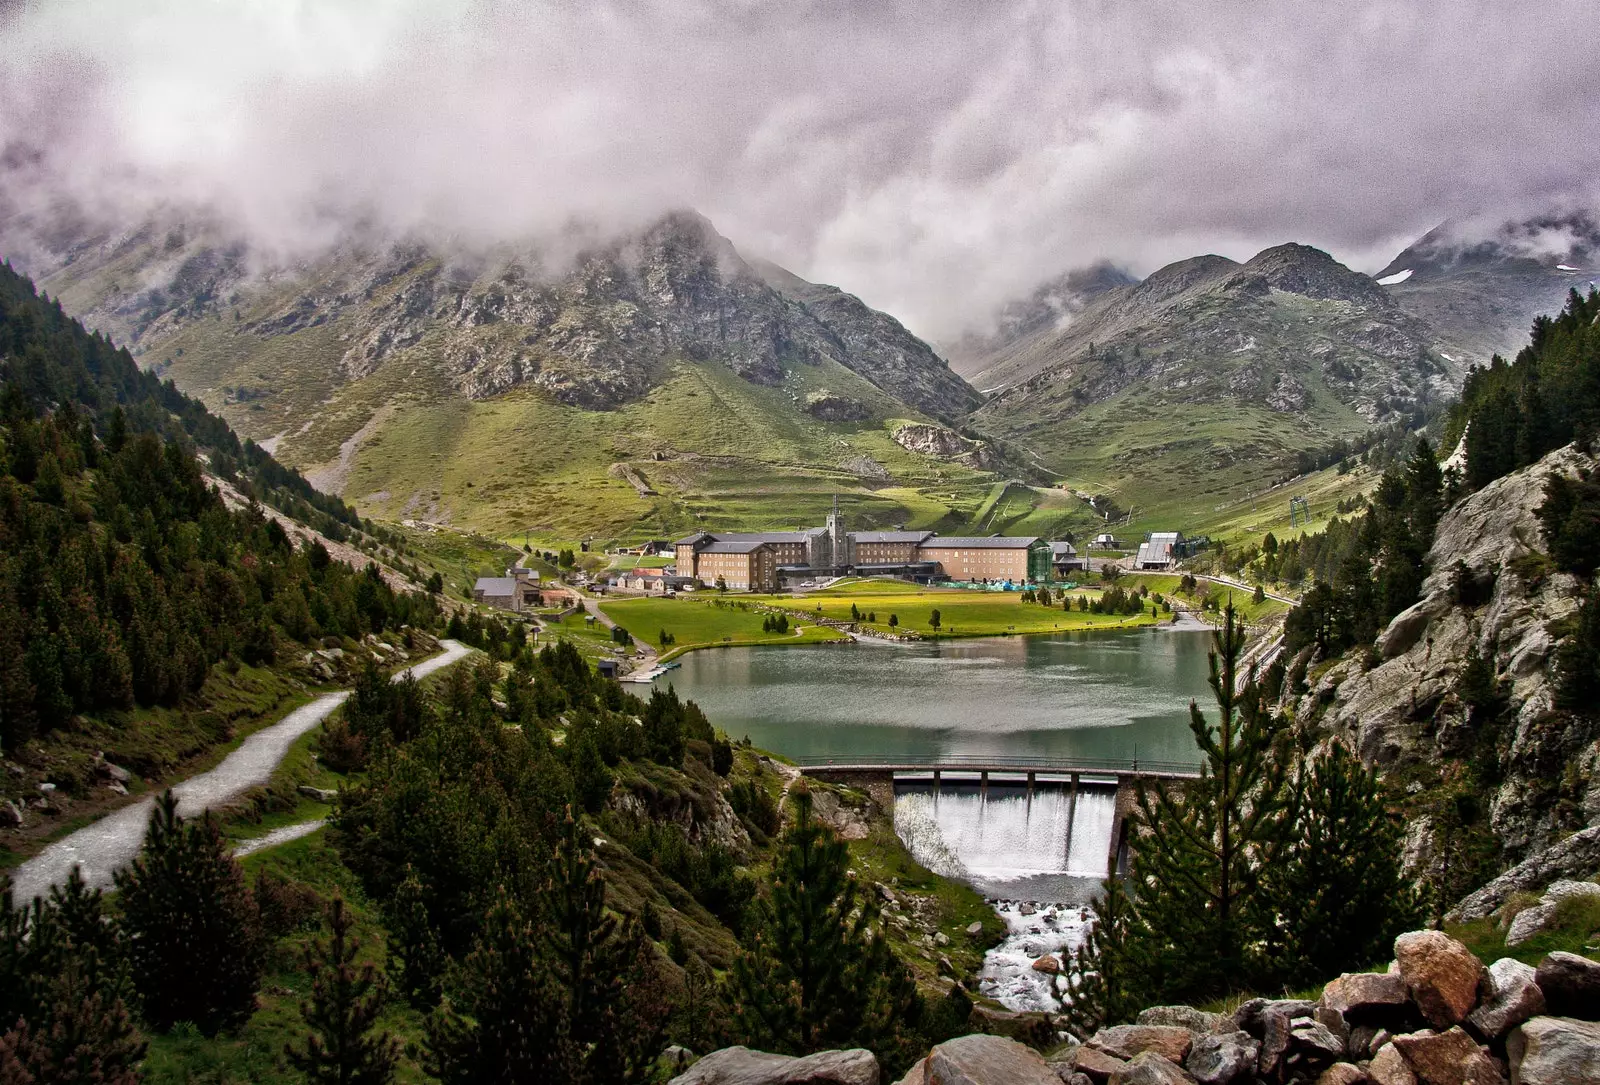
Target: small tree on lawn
x=342, y=1046
x=1260, y=595
x=894, y=620
x=192, y=924
x=934, y=621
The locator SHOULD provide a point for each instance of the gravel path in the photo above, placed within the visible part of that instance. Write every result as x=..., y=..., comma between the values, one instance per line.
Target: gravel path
x=278, y=836
x=111, y=843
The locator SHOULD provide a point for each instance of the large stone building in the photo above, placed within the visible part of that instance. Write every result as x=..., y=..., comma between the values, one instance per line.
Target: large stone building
x=761, y=561
x=888, y=548
x=1018, y=558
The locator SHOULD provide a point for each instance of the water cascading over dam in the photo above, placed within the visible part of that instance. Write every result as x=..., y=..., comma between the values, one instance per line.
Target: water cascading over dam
x=1050, y=845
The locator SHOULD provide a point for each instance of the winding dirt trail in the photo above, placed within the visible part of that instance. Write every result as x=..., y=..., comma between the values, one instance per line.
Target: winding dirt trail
x=109, y=844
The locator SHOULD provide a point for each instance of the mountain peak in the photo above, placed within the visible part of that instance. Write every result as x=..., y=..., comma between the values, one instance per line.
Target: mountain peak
x=1310, y=272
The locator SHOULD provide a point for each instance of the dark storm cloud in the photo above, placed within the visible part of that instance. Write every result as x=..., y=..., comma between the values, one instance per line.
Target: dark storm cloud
x=936, y=158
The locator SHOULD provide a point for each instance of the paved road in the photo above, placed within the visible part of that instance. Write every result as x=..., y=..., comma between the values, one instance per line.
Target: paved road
x=111, y=843
x=591, y=605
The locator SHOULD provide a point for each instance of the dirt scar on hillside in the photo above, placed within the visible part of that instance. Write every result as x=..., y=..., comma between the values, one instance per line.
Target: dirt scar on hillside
x=111, y=843
x=330, y=478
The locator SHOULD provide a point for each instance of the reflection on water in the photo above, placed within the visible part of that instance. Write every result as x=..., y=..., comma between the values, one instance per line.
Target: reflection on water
x=1100, y=695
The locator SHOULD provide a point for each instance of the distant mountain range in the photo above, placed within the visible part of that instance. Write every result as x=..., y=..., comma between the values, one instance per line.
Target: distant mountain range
x=1481, y=293
x=642, y=385
x=663, y=380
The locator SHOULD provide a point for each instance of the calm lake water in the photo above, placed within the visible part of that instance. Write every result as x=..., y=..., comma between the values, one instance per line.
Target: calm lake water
x=1116, y=694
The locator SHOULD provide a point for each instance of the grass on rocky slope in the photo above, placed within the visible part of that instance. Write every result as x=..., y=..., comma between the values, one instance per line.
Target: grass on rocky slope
x=1167, y=585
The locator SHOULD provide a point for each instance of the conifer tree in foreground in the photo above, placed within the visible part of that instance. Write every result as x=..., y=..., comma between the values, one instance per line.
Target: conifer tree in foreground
x=64, y=991
x=1335, y=887
x=1198, y=850
x=342, y=1047
x=563, y=996
x=193, y=927
x=819, y=972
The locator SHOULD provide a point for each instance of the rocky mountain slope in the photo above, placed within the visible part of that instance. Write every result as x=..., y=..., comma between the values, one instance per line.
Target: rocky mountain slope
x=1481, y=292
x=510, y=391
x=1403, y=710
x=1053, y=304
x=1207, y=376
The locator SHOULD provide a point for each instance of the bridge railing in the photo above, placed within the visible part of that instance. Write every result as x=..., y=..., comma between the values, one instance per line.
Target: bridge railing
x=1003, y=763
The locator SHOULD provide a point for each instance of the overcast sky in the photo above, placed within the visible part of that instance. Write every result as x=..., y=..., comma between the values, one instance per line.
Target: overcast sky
x=935, y=158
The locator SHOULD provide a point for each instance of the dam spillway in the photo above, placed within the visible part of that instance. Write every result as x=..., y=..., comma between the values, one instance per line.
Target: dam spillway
x=1047, y=842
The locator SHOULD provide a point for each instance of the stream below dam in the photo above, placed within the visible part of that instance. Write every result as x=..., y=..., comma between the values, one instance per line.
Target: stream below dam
x=1103, y=696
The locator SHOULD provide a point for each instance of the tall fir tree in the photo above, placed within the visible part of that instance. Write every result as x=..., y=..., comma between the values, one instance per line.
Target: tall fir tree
x=343, y=1045
x=1334, y=889
x=1196, y=860
x=193, y=926
x=817, y=971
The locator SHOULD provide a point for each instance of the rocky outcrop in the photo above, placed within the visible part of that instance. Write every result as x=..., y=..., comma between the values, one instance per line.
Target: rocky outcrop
x=1405, y=711
x=1555, y=1051
x=946, y=444
x=1577, y=854
x=832, y=408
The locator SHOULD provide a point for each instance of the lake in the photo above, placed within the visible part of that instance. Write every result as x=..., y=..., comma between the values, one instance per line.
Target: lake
x=1109, y=694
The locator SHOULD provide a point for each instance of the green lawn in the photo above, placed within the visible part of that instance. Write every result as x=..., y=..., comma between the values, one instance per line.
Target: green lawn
x=703, y=623
x=962, y=613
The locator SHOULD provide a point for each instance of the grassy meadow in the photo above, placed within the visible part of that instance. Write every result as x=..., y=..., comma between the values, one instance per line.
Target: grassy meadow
x=707, y=621
x=704, y=620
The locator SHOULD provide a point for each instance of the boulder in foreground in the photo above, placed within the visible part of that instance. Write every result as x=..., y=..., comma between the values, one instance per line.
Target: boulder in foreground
x=742, y=1066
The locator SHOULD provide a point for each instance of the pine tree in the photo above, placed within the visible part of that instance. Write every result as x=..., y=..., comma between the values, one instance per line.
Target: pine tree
x=1196, y=863
x=1102, y=982
x=603, y=964
x=1335, y=889
x=818, y=971
x=415, y=953
x=64, y=989
x=193, y=925
x=504, y=1020
x=342, y=1046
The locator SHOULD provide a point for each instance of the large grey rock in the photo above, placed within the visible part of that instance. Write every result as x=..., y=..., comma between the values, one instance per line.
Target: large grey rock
x=1532, y=920
x=1218, y=1058
x=1184, y=1017
x=1577, y=853
x=1511, y=996
x=1171, y=1042
x=1149, y=1068
x=1441, y=974
x=1571, y=985
x=742, y=1066
x=1554, y=1051
x=987, y=1060
x=1568, y=889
